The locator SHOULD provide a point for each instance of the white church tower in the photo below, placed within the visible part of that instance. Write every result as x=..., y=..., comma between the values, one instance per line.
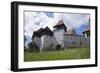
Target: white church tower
x=59, y=30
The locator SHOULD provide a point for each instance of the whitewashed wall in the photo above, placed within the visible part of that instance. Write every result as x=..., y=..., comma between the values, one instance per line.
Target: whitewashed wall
x=80, y=41
x=37, y=40
x=59, y=35
x=48, y=42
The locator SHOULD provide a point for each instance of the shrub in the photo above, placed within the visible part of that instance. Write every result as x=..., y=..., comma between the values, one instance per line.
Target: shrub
x=58, y=47
x=33, y=47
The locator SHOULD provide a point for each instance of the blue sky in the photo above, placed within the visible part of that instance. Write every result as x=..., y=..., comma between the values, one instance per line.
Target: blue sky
x=36, y=20
x=49, y=14
x=81, y=29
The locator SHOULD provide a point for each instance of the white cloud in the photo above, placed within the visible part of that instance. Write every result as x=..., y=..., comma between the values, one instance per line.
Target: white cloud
x=73, y=21
x=70, y=20
x=33, y=17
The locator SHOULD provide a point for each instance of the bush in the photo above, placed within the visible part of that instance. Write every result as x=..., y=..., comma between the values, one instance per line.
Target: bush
x=58, y=47
x=33, y=47
x=26, y=49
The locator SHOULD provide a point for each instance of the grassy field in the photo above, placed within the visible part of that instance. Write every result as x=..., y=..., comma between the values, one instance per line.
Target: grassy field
x=75, y=53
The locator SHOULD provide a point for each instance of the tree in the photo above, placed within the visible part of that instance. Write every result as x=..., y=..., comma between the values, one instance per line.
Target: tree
x=33, y=47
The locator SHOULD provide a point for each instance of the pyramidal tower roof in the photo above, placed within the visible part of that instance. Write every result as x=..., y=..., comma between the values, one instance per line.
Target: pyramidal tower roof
x=70, y=32
x=60, y=24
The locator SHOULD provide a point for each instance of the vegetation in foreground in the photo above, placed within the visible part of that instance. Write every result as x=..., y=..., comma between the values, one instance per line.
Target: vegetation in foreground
x=66, y=54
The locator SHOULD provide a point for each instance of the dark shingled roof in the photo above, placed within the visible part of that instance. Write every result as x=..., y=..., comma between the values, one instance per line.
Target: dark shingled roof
x=87, y=30
x=60, y=25
x=70, y=32
x=40, y=32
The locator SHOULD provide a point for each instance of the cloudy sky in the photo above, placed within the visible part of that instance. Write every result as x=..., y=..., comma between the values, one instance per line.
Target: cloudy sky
x=36, y=20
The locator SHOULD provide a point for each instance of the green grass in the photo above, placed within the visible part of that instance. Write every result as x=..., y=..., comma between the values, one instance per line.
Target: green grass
x=67, y=54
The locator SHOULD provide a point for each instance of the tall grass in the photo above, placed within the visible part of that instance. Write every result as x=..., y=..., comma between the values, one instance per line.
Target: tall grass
x=66, y=54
